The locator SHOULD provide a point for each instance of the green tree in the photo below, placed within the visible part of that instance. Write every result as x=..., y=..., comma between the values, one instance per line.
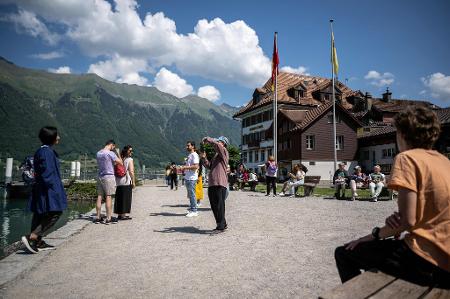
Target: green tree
x=233, y=151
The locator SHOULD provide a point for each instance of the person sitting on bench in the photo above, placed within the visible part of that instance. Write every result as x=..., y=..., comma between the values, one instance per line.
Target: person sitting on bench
x=357, y=180
x=243, y=179
x=252, y=180
x=340, y=178
x=376, y=183
x=296, y=178
x=420, y=175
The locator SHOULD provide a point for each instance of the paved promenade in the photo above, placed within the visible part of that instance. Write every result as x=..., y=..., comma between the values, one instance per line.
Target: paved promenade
x=274, y=247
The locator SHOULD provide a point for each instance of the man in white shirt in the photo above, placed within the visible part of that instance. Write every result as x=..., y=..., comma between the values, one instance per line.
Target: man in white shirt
x=191, y=176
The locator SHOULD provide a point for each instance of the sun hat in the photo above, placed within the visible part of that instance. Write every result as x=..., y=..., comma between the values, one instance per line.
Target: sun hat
x=224, y=140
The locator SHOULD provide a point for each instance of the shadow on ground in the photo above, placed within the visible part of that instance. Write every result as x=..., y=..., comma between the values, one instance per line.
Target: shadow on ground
x=185, y=229
x=184, y=206
x=176, y=206
x=167, y=214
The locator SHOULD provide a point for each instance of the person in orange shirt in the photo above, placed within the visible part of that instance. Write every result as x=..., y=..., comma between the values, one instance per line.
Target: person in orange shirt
x=420, y=175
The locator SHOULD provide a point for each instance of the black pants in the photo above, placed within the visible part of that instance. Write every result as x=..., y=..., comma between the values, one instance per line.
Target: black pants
x=271, y=182
x=41, y=223
x=392, y=257
x=216, y=195
x=173, y=180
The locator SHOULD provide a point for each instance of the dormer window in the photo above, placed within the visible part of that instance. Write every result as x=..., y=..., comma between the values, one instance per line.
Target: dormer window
x=297, y=92
x=258, y=95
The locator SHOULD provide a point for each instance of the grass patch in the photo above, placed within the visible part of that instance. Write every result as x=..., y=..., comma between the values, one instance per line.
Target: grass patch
x=82, y=191
x=318, y=191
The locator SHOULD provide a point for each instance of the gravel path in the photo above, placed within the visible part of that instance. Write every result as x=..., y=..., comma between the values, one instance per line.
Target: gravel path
x=274, y=247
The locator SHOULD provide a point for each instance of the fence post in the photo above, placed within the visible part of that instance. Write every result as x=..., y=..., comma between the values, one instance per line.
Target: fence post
x=8, y=172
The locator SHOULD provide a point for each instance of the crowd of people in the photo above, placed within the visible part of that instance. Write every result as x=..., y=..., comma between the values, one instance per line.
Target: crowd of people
x=414, y=243
x=375, y=181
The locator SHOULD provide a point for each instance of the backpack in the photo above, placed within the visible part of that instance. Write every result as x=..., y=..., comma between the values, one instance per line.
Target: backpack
x=120, y=171
x=28, y=175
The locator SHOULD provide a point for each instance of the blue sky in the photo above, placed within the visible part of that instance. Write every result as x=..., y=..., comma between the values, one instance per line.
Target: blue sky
x=222, y=49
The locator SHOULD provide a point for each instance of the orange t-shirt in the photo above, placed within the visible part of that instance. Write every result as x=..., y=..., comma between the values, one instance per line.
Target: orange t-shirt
x=426, y=172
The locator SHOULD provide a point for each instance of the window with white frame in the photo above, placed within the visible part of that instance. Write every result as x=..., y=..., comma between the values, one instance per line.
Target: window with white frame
x=310, y=142
x=250, y=157
x=388, y=152
x=340, y=142
x=263, y=155
x=256, y=156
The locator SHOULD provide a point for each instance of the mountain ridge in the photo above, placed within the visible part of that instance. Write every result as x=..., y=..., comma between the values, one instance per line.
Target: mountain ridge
x=88, y=110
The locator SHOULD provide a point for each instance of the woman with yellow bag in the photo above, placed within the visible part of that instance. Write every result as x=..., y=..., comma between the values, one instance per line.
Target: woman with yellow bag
x=199, y=186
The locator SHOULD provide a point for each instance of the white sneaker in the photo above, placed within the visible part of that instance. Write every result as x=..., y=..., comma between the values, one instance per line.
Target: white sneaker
x=281, y=194
x=374, y=199
x=192, y=214
x=199, y=204
x=356, y=195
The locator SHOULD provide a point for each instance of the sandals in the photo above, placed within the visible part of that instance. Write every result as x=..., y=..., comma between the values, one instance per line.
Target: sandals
x=124, y=218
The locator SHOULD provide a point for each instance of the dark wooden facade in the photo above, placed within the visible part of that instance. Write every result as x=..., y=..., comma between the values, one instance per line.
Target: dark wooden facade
x=294, y=144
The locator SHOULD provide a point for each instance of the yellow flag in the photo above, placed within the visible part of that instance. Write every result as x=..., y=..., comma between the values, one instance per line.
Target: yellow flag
x=334, y=58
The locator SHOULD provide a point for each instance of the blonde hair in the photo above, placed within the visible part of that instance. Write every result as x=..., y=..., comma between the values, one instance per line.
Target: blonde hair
x=271, y=158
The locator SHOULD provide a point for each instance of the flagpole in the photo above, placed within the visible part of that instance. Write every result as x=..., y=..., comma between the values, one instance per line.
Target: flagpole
x=333, y=94
x=275, y=118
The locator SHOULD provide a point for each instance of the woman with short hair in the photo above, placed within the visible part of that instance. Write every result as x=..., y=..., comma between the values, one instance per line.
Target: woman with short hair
x=48, y=198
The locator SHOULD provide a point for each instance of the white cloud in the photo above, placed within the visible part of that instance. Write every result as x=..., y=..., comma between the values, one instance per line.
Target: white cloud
x=439, y=85
x=169, y=82
x=228, y=52
x=301, y=70
x=209, y=92
x=121, y=70
x=379, y=79
x=49, y=55
x=61, y=70
x=27, y=22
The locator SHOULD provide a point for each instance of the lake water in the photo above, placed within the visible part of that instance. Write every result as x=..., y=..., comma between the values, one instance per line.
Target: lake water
x=15, y=220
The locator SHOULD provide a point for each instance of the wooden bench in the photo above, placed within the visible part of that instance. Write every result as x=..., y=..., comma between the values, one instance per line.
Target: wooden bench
x=385, y=192
x=251, y=184
x=372, y=284
x=310, y=183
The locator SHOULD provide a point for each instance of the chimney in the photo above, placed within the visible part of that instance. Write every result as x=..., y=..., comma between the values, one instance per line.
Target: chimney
x=368, y=100
x=387, y=95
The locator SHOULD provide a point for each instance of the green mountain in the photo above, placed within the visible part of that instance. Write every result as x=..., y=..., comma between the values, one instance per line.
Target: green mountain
x=88, y=110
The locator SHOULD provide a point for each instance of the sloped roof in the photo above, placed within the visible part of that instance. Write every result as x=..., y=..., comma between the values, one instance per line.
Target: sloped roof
x=289, y=80
x=443, y=115
x=397, y=105
x=313, y=114
x=389, y=129
x=297, y=116
x=386, y=128
x=360, y=114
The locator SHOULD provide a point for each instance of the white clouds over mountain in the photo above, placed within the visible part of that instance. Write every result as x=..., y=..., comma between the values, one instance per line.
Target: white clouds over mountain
x=209, y=92
x=122, y=70
x=171, y=83
x=61, y=70
x=216, y=50
x=439, y=85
